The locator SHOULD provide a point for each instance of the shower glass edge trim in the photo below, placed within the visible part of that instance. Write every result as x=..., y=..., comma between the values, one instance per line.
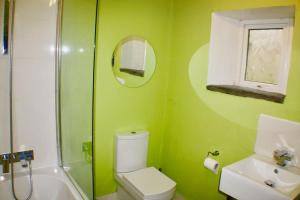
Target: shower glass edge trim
x=57, y=80
x=58, y=65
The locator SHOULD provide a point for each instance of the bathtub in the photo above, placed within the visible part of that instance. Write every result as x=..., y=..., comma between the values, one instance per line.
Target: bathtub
x=48, y=184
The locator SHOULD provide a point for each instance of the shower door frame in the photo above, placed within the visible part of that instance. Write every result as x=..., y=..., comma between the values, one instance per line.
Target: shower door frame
x=58, y=54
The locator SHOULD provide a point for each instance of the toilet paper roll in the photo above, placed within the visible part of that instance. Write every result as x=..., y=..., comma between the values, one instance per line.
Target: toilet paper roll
x=212, y=165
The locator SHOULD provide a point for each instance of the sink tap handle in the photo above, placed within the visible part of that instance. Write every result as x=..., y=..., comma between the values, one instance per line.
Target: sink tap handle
x=280, y=153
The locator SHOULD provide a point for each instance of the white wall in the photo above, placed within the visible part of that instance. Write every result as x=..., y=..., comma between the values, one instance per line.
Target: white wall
x=4, y=91
x=34, y=80
x=4, y=104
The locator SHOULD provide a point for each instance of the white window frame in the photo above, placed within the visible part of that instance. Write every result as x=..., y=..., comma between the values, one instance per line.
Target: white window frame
x=286, y=26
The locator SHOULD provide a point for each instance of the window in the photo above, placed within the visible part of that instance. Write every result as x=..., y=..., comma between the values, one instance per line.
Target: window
x=265, y=55
x=250, y=52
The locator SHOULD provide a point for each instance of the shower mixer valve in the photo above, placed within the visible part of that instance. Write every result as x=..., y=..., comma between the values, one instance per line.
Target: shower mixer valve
x=23, y=157
x=4, y=160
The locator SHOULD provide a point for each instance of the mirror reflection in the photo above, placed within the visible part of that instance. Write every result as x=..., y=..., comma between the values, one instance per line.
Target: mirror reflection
x=133, y=62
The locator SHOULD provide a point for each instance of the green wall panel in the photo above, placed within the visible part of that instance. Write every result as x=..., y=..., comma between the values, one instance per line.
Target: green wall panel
x=118, y=108
x=184, y=119
x=199, y=120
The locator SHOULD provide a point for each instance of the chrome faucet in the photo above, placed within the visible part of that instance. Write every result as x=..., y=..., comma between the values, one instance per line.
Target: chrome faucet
x=23, y=157
x=4, y=160
x=281, y=157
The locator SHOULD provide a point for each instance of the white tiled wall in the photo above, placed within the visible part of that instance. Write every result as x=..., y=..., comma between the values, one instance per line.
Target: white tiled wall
x=34, y=79
x=278, y=134
x=4, y=104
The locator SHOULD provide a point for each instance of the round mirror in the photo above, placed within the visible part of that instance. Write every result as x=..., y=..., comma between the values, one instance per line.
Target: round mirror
x=133, y=62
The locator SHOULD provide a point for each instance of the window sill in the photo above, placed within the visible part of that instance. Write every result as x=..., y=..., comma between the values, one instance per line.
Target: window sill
x=247, y=92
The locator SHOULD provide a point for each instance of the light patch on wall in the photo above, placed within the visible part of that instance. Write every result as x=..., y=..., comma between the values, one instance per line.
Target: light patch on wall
x=2, y=178
x=197, y=75
x=52, y=48
x=66, y=49
x=52, y=3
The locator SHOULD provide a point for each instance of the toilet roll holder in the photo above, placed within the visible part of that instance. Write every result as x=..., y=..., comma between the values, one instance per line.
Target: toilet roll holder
x=210, y=163
x=215, y=153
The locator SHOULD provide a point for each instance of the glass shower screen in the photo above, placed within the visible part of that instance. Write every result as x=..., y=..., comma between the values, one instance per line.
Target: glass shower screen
x=78, y=24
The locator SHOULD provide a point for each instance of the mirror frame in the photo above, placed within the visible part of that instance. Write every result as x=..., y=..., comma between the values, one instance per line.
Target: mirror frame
x=119, y=45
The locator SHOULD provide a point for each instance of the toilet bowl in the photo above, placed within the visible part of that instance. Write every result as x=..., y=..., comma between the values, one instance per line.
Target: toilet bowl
x=135, y=180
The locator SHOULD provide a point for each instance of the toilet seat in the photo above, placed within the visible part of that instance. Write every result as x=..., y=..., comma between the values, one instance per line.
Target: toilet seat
x=148, y=183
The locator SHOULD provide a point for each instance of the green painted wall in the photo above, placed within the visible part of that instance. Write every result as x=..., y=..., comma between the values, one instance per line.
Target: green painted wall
x=184, y=119
x=118, y=108
x=199, y=120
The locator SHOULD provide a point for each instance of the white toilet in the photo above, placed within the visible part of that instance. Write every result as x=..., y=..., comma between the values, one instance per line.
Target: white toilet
x=135, y=180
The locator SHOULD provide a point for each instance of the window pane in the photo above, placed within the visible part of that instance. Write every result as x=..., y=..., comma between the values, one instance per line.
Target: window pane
x=264, y=57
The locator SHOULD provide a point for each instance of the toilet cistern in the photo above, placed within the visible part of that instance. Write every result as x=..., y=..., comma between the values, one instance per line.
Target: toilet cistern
x=135, y=180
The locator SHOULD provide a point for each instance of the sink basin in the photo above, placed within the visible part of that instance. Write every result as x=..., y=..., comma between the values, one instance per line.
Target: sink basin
x=259, y=178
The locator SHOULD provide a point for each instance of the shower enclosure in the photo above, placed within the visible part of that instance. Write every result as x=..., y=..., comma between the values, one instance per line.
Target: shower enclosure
x=47, y=50
x=76, y=28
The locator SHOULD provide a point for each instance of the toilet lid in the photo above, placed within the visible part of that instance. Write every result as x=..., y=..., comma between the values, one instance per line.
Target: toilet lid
x=150, y=181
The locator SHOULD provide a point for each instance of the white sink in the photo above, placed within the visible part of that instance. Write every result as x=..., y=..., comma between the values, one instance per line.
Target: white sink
x=245, y=180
